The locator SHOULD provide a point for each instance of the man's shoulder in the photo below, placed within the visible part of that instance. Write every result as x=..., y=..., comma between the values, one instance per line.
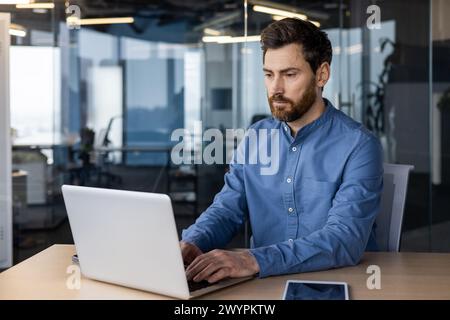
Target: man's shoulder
x=348, y=126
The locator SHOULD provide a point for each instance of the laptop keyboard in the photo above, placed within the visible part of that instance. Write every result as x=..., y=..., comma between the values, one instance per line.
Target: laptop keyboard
x=193, y=286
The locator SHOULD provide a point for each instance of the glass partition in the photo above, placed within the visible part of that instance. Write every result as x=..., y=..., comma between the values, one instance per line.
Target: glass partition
x=35, y=106
x=440, y=123
x=105, y=99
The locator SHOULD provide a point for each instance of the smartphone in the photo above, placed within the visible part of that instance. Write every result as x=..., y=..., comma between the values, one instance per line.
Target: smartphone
x=315, y=290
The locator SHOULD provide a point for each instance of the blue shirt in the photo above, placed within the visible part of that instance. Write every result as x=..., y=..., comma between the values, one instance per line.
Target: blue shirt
x=316, y=212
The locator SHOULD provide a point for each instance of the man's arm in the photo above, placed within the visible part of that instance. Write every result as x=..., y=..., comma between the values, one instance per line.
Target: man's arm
x=343, y=239
x=215, y=228
x=221, y=221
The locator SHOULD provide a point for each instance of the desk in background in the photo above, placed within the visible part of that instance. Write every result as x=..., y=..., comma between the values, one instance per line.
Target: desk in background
x=403, y=276
x=174, y=174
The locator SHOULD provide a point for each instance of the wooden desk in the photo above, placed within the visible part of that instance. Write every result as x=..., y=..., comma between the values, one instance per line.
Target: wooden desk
x=403, y=276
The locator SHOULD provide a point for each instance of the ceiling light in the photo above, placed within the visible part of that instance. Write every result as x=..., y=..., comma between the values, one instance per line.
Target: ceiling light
x=278, y=18
x=214, y=38
x=240, y=39
x=211, y=32
x=14, y=1
x=229, y=39
x=41, y=5
x=316, y=23
x=85, y=22
x=17, y=33
x=17, y=30
x=279, y=12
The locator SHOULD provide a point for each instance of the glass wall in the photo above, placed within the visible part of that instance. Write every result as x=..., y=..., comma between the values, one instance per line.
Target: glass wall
x=440, y=124
x=35, y=109
x=100, y=106
x=111, y=96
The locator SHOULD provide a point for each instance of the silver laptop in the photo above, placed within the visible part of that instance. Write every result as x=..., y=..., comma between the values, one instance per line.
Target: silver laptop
x=130, y=239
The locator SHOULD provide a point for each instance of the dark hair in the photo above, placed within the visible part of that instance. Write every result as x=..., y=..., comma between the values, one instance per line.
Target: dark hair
x=315, y=43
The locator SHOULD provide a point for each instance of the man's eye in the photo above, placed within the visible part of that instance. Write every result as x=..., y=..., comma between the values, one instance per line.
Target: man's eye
x=291, y=74
x=267, y=75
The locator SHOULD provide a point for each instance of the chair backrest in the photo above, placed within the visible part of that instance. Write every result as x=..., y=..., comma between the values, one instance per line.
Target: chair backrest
x=390, y=219
x=259, y=116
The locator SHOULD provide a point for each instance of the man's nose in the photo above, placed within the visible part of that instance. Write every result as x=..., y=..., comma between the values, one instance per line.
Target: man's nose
x=277, y=86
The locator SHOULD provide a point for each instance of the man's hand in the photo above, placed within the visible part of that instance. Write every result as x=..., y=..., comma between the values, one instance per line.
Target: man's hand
x=189, y=252
x=219, y=264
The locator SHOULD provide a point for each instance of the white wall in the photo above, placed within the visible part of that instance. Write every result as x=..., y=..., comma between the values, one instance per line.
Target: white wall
x=5, y=148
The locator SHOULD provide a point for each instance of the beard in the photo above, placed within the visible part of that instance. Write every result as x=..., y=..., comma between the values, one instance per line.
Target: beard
x=290, y=110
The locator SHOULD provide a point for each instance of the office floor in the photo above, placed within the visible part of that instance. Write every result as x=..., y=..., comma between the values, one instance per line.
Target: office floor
x=48, y=225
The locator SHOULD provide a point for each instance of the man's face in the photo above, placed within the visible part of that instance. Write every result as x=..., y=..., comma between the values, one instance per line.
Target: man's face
x=290, y=82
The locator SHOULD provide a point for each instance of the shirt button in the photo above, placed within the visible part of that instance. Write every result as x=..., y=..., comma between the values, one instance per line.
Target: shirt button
x=294, y=149
x=285, y=128
x=288, y=180
x=290, y=210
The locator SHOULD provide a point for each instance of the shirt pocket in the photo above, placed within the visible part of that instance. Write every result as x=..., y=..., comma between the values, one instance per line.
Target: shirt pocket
x=316, y=198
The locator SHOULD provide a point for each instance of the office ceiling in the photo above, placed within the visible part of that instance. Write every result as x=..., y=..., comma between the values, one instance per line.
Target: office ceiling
x=196, y=14
x=194, y=11
x=167, y=11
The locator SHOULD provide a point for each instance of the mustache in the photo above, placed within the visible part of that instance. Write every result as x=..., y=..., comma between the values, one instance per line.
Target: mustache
x=279, y=98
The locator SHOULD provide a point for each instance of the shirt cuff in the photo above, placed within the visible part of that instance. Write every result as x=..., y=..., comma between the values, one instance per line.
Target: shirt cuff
x=265, y=258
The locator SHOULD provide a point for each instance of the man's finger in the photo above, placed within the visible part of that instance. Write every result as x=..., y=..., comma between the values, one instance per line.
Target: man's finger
x=195, y=262
x=220, y=274
x=201, y=257
x=206, y=272
x=198, y=264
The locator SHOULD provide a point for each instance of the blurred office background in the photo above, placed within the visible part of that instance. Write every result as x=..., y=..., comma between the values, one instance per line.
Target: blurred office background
x=96, y=105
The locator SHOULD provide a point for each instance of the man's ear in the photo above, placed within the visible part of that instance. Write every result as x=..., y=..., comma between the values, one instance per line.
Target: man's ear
x=323, y=74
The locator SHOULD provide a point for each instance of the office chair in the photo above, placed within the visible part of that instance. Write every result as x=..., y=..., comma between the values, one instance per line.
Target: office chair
x=389, y=221
x=104, y=162
x=258, y=117
x=80, y=173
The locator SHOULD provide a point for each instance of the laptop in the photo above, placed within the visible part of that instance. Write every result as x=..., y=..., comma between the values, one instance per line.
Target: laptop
x=130, y=239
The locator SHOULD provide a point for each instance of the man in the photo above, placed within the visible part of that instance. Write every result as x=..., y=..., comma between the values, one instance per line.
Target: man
x=318, y=210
